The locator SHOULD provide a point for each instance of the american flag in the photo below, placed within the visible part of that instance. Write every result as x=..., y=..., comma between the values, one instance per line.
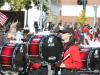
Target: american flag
x=3, y=18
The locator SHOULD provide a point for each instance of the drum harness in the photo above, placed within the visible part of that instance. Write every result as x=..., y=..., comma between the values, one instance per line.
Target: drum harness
x=58, y=70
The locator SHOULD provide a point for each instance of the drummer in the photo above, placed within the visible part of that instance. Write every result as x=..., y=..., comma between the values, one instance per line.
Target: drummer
x=37, y=69
x=71, y=60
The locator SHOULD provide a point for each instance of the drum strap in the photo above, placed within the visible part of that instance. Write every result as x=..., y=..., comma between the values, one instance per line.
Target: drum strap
x=66, y=48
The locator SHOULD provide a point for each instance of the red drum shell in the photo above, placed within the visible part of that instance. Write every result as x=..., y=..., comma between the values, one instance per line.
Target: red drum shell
x=84, y=52
x=10, y=57
x=33, y=48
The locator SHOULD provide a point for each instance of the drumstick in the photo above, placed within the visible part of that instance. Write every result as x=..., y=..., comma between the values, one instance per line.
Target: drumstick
x=65, y=57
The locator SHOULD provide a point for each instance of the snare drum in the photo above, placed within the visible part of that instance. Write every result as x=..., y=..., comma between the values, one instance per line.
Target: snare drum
x=46, y=49
x=13, y=58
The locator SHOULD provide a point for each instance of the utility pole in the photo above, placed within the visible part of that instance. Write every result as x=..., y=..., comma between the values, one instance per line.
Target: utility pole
x=84, y=5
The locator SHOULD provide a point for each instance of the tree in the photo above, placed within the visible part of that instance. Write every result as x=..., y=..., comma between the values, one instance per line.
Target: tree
x=2, y=3
x=25, y=4
x=81, y=19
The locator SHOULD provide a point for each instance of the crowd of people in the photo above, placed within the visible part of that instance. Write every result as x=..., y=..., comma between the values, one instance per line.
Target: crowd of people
x=72, y=37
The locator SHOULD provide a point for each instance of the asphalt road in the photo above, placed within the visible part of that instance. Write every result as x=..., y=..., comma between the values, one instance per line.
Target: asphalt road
x=49, y=72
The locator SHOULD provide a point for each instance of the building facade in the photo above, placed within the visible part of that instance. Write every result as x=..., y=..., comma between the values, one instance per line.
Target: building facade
x=72, y=8
x=34, y=13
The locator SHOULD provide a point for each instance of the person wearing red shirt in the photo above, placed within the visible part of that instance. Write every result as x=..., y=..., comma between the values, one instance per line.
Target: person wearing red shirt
x=71, y=60
x=38, y=69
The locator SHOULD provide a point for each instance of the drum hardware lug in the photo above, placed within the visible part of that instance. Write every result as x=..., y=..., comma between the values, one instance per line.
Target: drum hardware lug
x=26, y=55
x=16, y=48
x=14, y=66
x=21, y=68
x=13, y=56
x=62, y=55
x=41, y=56
x=21, y=49
x=46, y=63
x=88, y=60
x=40, y=45
x=96, y=71
x=58, y=61
x=89, y=69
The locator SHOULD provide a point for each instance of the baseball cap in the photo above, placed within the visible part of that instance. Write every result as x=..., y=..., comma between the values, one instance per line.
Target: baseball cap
x=67, y=30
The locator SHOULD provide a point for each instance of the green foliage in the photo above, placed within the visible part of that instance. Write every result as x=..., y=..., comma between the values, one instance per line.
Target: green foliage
x=2, y=3
x=81, y=19
x=21, y=4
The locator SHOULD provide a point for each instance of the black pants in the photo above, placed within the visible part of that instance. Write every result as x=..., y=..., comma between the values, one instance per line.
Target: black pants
x=64, y=71
x=43, y=70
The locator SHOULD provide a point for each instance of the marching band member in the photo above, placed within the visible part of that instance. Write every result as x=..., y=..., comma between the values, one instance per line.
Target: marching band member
x=37, y=69
x=71, y=60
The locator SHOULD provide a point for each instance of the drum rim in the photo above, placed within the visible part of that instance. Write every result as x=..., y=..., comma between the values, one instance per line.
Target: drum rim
x=14, y=53
x=41, y=48
x=13, y=69
x=27, y=46
x=89, y=57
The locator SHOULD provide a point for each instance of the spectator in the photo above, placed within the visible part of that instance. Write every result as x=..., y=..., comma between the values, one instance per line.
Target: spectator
x=95, y=25
x=2, y=37
x=75, y=25
x=81, y=35
x=13, y=28
x=85, y=44
x=43, y=25
x=61, y=27
x=70, y=25
x=90, y=39
x=97, y=42
x=19, y=35
x=60, y=23
x=79, y=31
x=7, y=27
x=36, y=27
x=28, y=36
x=65, y=25
x=50, y=26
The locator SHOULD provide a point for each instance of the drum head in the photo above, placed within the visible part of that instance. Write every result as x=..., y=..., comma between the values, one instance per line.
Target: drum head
x=52, y=49
x=21, y=61
x=94, y=60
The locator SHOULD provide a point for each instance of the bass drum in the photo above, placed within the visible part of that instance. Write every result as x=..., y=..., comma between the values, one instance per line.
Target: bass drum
x=84, y=52
x=46, y=49
x=13, y=58
x=93, y=63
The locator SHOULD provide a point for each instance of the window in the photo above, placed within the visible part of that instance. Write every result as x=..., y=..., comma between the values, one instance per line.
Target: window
x=80, y=2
